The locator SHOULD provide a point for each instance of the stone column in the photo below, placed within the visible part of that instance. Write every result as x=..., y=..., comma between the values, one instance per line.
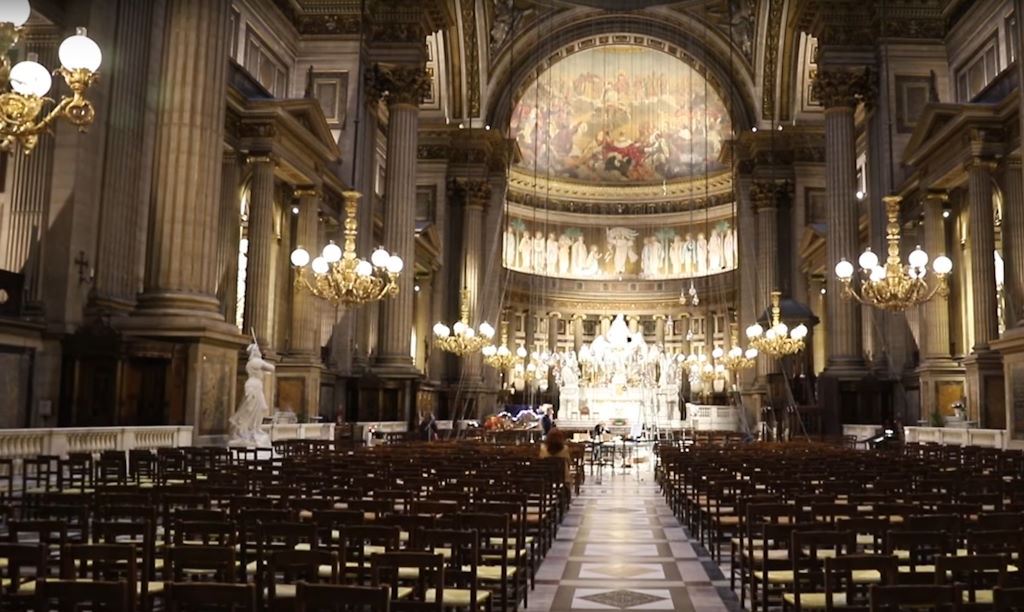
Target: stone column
x=476, y=193
x=981, y=233
x=935, y=313
x=404, y=87
x=659, y=329
x=985, y=401
x=764, y=195
x=606, y=323
x=529, y=333
x=577, y=331
x=424, y=321
x=24, y=238
x=120, y=245
x=181, y=277
x=260, y=269
x=553, y=318
x=1013, y=241
x=633, y=322
x=305, y=336
x=841, y=91
x=229, y=236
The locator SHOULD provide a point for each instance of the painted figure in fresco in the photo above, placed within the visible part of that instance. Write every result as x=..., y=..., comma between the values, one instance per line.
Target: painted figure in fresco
x=539, y=251
x=592, y=267
x=675, y=255
x=579, y=255
x=552, y=255
x=714, y=251
x=525, y=251
x=511, y=247
x=702, y=253
x=564, y=261
x=652, y=257
x=729, y=247
x=245, y=423
x=690, y=256
x=621, y=251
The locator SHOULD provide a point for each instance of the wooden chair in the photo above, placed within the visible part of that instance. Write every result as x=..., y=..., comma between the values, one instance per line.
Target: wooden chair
x=975, y=576
x=339, y=598
x=848, y=578
x=285, y=568
x=232, y=597
x=356, y=546
x=200, y=563
x=424, y=593
x=808, y=552
x=99, y=595
x=461, y=575
x=25, y=564
x=1008, y=600
x=894, y=597
x=105, y=562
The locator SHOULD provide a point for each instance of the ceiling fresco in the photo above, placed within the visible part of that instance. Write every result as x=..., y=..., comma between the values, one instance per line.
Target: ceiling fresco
x=619, y=115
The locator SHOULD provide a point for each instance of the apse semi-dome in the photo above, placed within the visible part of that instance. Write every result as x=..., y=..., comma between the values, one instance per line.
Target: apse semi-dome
x=619, y=115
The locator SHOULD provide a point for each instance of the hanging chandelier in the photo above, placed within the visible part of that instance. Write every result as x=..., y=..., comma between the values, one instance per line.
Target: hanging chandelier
x=736, y=359
x=462, y=338
x=339, y=276
x=778, y=340
x=618, y=357
x=30, y=81
x=894, y=286
x=500, y=357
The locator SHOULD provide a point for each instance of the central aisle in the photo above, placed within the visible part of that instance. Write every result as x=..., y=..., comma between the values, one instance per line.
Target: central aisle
x=620, y=548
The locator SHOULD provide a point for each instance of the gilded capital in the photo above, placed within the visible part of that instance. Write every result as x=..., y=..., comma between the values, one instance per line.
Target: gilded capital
x=307, y=192
x=843, y=88
x=766, y=194
x=259, y=158
x=476, y=191
x=397, y=84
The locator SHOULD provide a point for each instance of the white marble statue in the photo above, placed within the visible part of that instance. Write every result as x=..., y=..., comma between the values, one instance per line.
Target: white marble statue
x=245, y=423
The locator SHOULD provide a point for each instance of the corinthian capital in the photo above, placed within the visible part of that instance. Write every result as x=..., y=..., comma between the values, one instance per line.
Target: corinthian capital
x=477, y=191
x=767, y=194
x=843, y=88
x=399, y=84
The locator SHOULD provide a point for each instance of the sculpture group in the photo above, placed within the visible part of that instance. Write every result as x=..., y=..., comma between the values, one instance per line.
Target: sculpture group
x=245, y=423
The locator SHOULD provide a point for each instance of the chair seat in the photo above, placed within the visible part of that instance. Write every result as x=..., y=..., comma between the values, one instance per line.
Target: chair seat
x=729, y=519
x=815, y=601
x=25, y=588
x=458, y=598
x=282, y=591
x=491, y=573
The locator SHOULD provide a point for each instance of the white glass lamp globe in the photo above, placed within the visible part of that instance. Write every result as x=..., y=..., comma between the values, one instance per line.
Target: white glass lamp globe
x=799, y=332
x=755, y=330
x=320, y=265
x=331, y=252
x=470, y=332
x=530, y=367
x=521, y=352
x=918, y=258
x=751, y=353
x=15, y=12
x=459, y=328
x=440, y=329
x=30, y=78
x=877, y=274
x=486, y=330
x=735, y=352
x=844, y=270
x=300, y=257
x=770, y=334
x=942, y=265
x=489, y=350
x=80, y=52
x=380, y=258
x=781, y=329
x=363, y=268
x=503, y=350
x=395, y=264
x=868, y=260
x=717, y=353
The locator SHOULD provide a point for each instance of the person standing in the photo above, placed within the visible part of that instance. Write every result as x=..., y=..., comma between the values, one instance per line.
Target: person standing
x=547, y=421
x=428, y=427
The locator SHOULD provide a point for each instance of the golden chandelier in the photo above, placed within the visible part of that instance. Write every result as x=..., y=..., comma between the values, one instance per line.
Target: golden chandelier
x=465, y=339
x=894, y=286
x=736, y=359
x=500, y=357
x=339, y=276
x=30, y=81
x=778, y=340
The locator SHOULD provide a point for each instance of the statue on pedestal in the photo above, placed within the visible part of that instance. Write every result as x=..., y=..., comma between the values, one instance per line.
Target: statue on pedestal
x=245, y=423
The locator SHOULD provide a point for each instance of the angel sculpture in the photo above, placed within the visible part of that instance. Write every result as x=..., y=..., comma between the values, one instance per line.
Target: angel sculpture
x=245, y=423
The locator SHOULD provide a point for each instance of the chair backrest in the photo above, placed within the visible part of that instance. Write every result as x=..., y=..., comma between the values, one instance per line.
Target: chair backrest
x=850, y=576
x=24, y=562
x=185, y=596
x=972, y=573
x=1008, y=600
x=428, y=587
x=196, y=562
x=893, y=597
x=100, y=594
x=337, y=597
x=358, y=543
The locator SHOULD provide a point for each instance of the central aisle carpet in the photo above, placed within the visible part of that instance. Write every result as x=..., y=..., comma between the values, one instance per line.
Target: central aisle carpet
x=620, y=548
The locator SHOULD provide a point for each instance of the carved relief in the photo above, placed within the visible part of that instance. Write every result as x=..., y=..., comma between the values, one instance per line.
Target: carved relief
x=771, y=56
x=400, y=84
x=838, y=88
x=472, y=55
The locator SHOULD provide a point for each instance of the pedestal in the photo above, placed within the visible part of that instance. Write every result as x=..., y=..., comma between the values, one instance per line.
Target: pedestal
x=942, y=384
x=1011, y=347
x=298, y=387
x=986, y=399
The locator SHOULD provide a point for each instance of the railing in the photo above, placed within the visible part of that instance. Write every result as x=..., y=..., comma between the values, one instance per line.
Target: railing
x=19, y=443
x=861, y=433
x=955, y=436
x=300, y=431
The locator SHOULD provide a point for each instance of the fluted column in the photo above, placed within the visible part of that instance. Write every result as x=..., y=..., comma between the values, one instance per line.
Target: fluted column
x=23, y=247
x=553, y=318
x=577, y=331
x=125, y=183
x=305, y=336
x=530, y=332
x=181, y=277
x=659, y=329
x=405, y=87
x=764, y=196
x=1013, y=242
x=259, y=268
x=475, y=194
x=981, y=234
x=935, y=312
x=229, y=236
x=841, y=91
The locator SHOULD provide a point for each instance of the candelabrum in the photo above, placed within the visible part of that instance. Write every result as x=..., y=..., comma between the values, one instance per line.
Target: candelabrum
x=342, y=278
x=777, y=340
x=21, y=109
x=462, y=338
x=736, y=358
x=894, y=286
x=500, y=357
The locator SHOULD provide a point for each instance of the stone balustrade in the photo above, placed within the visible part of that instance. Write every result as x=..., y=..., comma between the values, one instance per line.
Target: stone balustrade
x=955, y=436
x=299, y=431
x=20, y=443
x=861, y=433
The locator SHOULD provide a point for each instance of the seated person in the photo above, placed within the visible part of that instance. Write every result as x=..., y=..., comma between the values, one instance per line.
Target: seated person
x=598, y=431
x=554, y=446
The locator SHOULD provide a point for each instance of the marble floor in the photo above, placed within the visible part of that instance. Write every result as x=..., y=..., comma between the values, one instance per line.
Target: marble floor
x=620, y=548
